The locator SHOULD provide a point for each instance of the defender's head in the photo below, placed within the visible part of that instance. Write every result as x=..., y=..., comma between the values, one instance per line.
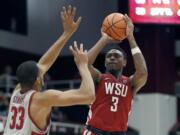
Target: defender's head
x=115, y=60
x=28, y=75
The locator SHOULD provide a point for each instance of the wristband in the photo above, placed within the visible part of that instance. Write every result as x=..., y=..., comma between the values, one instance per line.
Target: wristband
x=135, y=50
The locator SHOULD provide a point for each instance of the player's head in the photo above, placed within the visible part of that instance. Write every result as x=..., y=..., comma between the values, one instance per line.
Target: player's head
x=28, y=75
x=115, y=59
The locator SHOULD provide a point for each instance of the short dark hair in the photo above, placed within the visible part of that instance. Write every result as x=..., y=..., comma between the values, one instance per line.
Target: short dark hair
x=120, y=49
x=27, y=73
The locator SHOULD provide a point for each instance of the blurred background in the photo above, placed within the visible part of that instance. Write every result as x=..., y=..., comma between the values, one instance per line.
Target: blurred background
x=29, y=27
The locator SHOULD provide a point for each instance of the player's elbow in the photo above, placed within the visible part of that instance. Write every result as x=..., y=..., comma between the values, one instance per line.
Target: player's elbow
x=91, y=98
x=143, y=74
x=143, y=77
x=88, y=92
x=88, y=95
x=91, y=95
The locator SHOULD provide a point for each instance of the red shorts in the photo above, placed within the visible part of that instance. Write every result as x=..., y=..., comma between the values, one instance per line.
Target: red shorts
x=89, y=130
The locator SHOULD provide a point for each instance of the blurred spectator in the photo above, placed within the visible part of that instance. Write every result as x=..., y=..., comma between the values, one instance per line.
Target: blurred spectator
x=58, y=115
x=4, y=103
x=47, y=80
x=1, y=126
x=5, y=78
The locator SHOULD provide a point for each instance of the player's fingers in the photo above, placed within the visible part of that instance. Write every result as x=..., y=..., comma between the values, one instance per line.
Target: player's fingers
x=126, y=18
x=62, y=16
x=73, y=12
x=127, y=30
x=75, y=46
x=64, y=11
x=81, y=47
x=126, y=15
x=78, y=21
x=69, y=10
x=72, y=50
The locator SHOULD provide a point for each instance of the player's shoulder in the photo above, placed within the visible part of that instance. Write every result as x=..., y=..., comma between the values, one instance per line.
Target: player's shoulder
x=37, y=99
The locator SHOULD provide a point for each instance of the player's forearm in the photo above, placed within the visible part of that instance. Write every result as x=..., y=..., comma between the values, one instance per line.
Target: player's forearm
x=87, y=84
x=87, y=80
x=139, y=61
x=51, y=55
x=132, y=41
x=95, y=50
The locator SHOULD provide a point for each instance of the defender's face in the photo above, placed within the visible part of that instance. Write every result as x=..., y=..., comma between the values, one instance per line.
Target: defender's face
x=114, y=60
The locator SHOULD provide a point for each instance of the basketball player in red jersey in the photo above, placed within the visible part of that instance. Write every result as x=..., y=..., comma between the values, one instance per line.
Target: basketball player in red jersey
x=30, y=109
x=108, y=115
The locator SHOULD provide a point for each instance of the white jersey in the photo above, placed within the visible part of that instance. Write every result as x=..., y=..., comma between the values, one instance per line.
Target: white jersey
x=19, y=121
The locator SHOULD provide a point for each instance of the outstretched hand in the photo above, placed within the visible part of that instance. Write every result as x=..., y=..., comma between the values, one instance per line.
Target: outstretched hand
x=80, y=55
x=68, y=21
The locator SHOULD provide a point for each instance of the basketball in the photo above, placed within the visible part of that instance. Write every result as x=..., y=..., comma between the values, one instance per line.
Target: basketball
x=114, y=25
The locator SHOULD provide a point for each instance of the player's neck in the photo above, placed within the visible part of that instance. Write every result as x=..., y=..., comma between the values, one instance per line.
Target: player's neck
x=115, y=73
x=25, y=89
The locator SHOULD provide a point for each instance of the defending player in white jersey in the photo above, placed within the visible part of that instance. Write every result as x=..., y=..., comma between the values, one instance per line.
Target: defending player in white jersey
x=30, y=109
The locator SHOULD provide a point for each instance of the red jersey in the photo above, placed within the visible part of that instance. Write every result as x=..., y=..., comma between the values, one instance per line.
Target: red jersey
x=110, y=110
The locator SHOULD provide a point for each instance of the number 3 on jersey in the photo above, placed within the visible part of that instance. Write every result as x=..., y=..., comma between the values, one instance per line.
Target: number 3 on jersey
x=114, y=105
x=17, y=119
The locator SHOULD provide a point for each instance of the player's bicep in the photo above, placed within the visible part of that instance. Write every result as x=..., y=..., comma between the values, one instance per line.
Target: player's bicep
x=73, y=97
x=51, y=98
x=95, y=73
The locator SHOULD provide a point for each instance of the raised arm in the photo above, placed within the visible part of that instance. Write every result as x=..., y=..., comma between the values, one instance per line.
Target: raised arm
x=139, y=78
x=69, y=26
x=93, y=53
x=84, y=95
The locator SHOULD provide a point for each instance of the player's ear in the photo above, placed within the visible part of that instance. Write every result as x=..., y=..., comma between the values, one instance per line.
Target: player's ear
x=38, y=81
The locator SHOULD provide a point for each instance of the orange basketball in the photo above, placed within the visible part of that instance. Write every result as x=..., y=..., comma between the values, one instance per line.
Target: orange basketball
x=114, y=25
